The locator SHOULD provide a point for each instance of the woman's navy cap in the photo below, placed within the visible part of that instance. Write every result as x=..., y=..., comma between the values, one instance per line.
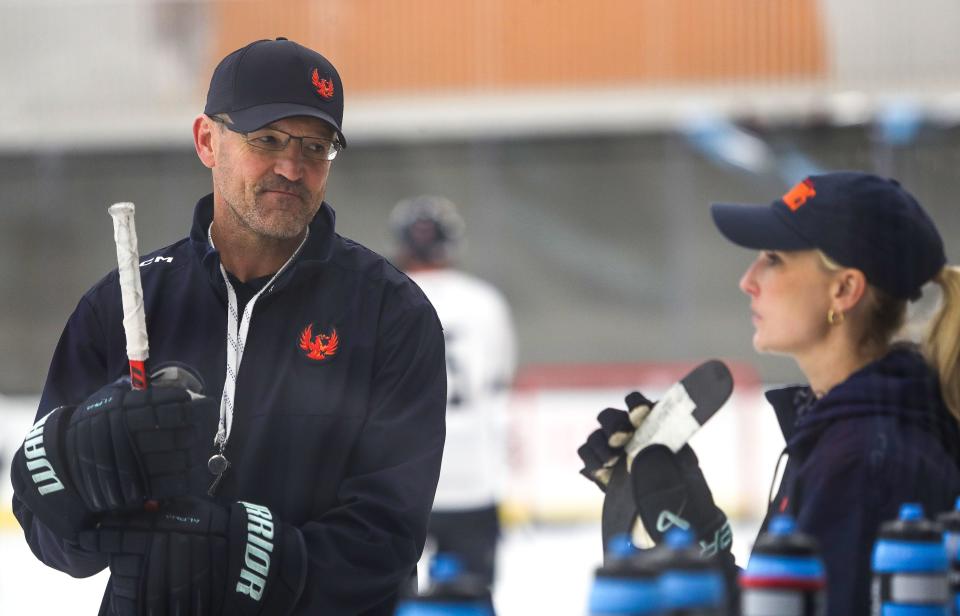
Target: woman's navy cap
x=857, y=219
x=270, y=80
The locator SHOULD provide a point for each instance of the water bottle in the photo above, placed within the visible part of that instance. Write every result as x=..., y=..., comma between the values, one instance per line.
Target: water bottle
x=785, y=575
x=689, y=584
x=451, y=592
x=951, y=538
x=626, y=585
x=910, y=567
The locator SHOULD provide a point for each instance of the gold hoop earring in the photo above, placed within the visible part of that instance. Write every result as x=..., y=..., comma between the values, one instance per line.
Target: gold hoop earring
x=834, y=317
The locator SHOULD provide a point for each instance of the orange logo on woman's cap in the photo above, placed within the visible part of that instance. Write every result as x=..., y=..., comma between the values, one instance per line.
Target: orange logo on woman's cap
x=799, y=194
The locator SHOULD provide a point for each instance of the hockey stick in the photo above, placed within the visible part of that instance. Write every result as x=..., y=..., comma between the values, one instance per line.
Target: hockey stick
x=684, y=408
x=131, y=291
x=131, y=294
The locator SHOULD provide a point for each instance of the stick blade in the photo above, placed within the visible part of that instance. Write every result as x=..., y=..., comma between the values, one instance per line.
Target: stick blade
x=709, y=385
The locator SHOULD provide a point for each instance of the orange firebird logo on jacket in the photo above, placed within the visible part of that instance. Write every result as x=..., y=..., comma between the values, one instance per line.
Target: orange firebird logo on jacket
x=799, y=194
x=321, y=346
x=324, y=87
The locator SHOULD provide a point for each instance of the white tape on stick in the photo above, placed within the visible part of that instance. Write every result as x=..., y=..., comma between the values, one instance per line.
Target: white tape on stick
x=128, y=264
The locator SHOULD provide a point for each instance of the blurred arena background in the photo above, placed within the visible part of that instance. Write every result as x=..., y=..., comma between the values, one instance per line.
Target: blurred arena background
x=582, y=142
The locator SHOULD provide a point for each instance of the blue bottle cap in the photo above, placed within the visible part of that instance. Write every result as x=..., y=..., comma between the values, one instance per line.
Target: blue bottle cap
x=911, y=511
x=911, y=543
x=678, y=538
x=782, y=524
x=445, y=567
x=439, y=608
x=620, y=546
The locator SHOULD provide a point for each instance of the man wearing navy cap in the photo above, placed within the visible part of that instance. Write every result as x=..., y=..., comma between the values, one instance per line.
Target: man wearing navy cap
x=326, y=364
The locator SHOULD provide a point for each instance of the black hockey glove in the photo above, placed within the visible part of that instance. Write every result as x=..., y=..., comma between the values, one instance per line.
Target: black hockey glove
x=196, y=557
x=605, y=446
x=116, y=450
x=669, y=490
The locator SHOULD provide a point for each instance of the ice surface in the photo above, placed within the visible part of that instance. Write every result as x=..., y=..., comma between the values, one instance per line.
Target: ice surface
x=542, y=569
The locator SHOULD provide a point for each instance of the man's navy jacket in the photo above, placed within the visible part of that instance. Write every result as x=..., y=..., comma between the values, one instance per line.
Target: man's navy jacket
x=881, y=438
x=346, y=447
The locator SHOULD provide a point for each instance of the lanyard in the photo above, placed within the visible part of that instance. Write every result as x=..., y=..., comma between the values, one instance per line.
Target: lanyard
x=236, y=340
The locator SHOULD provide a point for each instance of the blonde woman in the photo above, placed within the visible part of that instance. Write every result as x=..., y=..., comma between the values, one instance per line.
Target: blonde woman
x=876, y=425
x=841, y=255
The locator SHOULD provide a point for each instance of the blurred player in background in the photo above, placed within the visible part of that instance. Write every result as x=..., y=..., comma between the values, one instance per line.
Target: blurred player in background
x=841, y=255
x=481, y=359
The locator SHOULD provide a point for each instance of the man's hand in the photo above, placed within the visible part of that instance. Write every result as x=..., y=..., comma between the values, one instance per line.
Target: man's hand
x=115, y=451
x=194, y=556
x=605, y=446
x=126, y=446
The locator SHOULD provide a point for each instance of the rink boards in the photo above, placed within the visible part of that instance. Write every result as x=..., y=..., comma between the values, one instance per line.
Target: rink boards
x=552, y=410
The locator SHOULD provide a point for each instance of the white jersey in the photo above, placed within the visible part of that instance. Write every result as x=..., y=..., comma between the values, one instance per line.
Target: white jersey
x=481, y=359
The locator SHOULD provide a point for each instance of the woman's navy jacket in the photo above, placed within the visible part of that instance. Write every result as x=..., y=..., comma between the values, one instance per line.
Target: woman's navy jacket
x=881, y=438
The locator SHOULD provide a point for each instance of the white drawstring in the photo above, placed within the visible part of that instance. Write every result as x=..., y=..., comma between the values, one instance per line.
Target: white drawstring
x=236, y=340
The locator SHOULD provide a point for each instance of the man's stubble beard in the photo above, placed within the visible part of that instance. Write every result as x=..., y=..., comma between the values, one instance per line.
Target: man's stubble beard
x=248, y=212
x=278, y=225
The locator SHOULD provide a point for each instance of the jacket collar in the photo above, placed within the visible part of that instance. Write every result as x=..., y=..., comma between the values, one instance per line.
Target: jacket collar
x=784, y=403
x=315, y=252
x=899, y=383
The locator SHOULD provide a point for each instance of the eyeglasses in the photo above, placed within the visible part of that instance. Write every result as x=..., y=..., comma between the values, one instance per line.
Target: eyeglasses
x=276, y=140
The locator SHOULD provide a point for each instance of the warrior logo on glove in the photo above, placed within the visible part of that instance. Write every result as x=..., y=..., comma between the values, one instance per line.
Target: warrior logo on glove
x=197, y=557
x=117, y=450
x=721, y=540
x=253, y=575
x=40, y=468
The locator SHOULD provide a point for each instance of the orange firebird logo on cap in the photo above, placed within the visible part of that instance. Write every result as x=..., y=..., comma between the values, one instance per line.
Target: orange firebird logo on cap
x=324, y=87
x=799, y=194
x=321, y=346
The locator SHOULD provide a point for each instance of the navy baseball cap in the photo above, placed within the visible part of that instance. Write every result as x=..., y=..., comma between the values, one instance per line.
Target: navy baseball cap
x=857, y=219
x=270, y=80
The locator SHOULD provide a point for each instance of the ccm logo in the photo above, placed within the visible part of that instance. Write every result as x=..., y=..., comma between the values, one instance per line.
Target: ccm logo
x=157, y=260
